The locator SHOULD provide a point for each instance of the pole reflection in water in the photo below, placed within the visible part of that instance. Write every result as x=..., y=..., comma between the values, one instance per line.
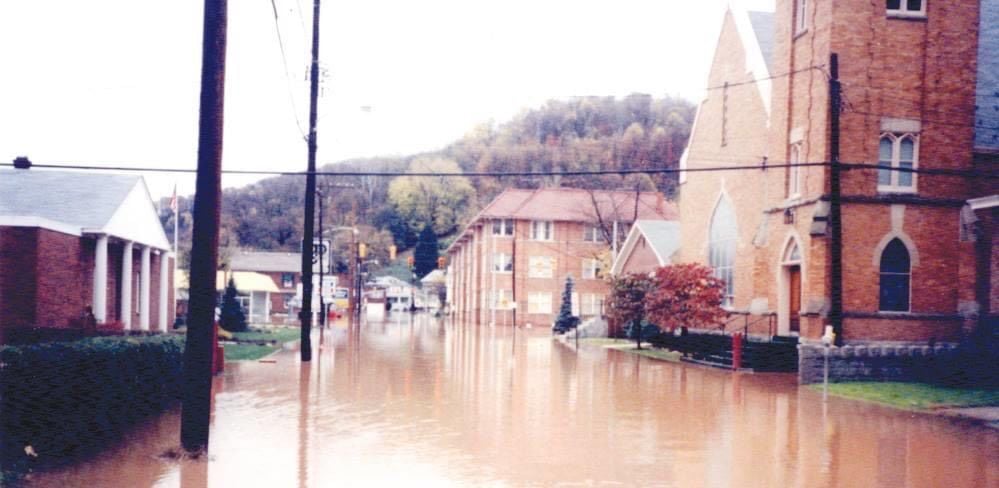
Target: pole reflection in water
x=431, y=402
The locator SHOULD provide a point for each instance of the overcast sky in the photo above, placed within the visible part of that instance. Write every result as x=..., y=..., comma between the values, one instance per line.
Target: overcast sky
x=115, y=82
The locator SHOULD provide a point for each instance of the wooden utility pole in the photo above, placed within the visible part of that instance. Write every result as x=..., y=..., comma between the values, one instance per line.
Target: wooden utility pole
x=310, y=194
x=835, y=221
x=197, y=387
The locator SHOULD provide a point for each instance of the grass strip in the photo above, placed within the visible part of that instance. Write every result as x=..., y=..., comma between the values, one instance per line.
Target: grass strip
x=913, y=396
x=247, y=352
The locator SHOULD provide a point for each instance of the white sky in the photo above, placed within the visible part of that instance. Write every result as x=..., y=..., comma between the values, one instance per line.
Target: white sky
x=110, y=82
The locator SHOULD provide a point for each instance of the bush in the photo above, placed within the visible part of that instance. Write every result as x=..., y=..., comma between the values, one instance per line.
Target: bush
x=66, y=398
x=649, y=331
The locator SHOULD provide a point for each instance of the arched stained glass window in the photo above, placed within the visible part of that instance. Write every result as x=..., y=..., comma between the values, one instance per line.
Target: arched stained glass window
x=895, y=278
x=722, y=239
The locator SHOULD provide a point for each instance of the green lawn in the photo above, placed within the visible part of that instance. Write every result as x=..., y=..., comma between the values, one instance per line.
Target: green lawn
x=913, y=396
x=628, y=346
x=247, y=352
x=282, y=334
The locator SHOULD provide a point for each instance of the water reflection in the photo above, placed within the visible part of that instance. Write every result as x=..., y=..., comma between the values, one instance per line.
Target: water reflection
x=418, y=400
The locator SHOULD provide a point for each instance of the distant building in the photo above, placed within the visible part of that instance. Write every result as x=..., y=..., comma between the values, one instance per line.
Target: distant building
x=509, y=265
x=649, y=245
x=285, y=269
x=69, y=241
x=255, y=292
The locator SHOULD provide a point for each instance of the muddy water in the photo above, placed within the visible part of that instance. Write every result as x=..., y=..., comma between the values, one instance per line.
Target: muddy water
x=424, y=403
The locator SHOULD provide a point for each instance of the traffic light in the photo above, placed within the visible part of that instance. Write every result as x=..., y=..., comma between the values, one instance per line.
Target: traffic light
x=362, y=250
x=441, y=262
x=411, y=261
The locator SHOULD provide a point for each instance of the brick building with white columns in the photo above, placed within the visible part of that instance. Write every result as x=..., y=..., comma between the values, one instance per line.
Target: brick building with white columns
x=69, y=241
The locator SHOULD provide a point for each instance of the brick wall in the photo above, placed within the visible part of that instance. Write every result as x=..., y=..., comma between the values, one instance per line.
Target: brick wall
x=18, y=288
x=641, y=260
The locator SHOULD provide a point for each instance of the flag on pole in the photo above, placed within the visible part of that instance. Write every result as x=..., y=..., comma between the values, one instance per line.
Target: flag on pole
x=173, y=200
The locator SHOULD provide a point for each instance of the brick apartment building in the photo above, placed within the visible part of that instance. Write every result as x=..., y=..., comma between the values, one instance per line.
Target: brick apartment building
x=914, y=271
x=509, y=265
x=69, y=241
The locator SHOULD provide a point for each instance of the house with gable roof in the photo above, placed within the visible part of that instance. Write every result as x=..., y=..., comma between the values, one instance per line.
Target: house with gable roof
x=77, y=242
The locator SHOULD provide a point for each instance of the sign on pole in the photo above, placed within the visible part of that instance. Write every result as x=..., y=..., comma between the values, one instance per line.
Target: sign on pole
x=324, y=248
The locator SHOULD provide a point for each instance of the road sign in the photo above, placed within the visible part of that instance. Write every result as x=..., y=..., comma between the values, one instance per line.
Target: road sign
x=324, y=248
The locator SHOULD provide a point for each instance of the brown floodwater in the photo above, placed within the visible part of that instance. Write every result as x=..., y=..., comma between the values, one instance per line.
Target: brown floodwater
x=423, y=402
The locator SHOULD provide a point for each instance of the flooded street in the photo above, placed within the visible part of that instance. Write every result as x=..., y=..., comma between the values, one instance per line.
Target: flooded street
x=428, y=403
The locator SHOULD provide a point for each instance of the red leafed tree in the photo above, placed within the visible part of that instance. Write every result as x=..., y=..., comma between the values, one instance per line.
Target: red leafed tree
x=684, y=295
x=626, y=304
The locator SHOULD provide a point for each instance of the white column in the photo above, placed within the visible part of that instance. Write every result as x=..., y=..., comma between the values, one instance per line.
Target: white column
x=100, y=301
x=164, y=291
x=126, y=285
x=144, y=280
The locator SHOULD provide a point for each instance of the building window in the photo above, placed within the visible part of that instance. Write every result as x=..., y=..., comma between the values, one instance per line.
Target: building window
x=542, y=230
x=592, y=303
x=287, y=280
x=897, y=151
x=539, y=302
x=801, y=16
x=722, y=238
x=502, y=263
x=591, y=269
x=541, y=267
x=906, y=8
x=895, y=278
x=503, y=227
x=502, y=299
x=593, y=233
x=794, y=172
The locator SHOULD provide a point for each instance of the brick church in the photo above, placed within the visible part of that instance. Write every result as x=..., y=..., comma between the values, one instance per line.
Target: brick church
x=76, y=244
x=921, y=89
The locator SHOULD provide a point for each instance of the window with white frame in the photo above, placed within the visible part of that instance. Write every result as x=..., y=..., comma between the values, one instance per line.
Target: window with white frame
x=794, y=171
x=591, y=268
x=502, y=263
x=503, y=227
x=593, y=233
x=542, y=230
x=722, y=240
x=592, y=303
x=540, y=267
x=502, y=299
x=896, y=152
x=906, y=8
x=800, y=16
x=539, y=302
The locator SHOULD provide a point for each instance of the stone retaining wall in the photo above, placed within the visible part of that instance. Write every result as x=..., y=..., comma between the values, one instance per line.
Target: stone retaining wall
x=872, y=362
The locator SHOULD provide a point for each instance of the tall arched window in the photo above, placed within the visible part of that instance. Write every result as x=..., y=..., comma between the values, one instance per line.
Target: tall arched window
x=722, y=238
x=895, y=278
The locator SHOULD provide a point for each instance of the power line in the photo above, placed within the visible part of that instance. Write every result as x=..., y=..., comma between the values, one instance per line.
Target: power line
x=287, y=76
x=818, y=67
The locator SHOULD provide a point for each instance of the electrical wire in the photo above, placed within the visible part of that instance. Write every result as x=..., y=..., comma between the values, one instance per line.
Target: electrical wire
x=819, y=67
x=287, y=76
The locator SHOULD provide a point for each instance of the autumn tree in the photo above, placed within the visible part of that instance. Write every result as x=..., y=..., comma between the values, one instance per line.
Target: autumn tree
x=442, y=201
x=626, y=304
x=684, y=295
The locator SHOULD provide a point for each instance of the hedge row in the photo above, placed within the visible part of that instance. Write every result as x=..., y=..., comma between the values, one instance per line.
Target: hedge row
x=65, y=399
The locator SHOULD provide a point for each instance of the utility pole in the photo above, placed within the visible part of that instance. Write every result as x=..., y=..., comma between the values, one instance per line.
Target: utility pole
x=835, y=222
x=322, y=268
x=310, y=194
x=197, y=387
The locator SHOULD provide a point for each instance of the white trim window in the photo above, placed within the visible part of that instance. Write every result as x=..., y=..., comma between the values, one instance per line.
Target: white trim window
x=591, y=269
x=722, y=243
x=794, y=172
x=906, y=8
x=503, y=227
x=542, y=230
x=541, y=267
x=897, y=151
x=502, y=299
x=502, y=263
x=592, y=303
x=592, y=233
x=801, y=16
x=539, y=302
